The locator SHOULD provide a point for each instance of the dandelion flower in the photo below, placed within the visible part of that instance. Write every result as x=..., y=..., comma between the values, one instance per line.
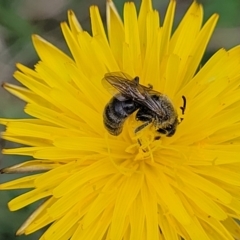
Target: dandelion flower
x=131, y=186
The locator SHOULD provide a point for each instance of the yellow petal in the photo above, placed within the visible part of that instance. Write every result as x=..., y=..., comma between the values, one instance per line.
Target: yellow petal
x=146, y=7
x=30, y=166
x=29, y=197
x=96, y=23
x=32, y=221
x=115, y=28
x=131, y=186
x=132, y=35
x=74, y=24
x=167, y=28
x=24, y=182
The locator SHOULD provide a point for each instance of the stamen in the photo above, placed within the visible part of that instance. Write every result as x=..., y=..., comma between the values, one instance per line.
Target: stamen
x=124, y=171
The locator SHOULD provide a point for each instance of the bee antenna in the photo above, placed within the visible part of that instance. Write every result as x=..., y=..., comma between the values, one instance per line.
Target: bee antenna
x=183, y=108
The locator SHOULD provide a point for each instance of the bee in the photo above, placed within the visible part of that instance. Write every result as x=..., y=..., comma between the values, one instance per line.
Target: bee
x=130, y=96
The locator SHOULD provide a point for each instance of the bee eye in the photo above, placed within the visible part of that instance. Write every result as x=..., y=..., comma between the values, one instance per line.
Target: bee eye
x=169, y=128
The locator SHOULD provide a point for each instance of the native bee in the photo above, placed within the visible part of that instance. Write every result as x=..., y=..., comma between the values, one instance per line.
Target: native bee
x=130, y=96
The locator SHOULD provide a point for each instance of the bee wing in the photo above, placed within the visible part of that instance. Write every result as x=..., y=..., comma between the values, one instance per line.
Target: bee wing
x=119, y=82
x=129, y=88
x=149, y=101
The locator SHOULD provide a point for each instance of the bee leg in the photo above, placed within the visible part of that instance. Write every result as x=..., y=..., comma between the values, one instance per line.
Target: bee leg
x=144, y=115
x=139, y=128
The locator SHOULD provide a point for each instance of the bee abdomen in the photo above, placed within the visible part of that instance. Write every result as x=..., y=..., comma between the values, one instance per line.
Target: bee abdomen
x=115, y=114
x=112, y=122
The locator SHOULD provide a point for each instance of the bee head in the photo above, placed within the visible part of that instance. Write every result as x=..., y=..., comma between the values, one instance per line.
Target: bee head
x=167, y=125
x=168, y=128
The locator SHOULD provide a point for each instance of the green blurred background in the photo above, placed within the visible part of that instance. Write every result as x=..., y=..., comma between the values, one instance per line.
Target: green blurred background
x=21, y=18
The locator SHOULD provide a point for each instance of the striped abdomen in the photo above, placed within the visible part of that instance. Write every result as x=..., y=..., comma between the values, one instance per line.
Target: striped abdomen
x=115, y=114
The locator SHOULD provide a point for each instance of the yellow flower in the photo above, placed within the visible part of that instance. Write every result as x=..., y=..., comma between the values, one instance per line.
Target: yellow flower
x=130, y=186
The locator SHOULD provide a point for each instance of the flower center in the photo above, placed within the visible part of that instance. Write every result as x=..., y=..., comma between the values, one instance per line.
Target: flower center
x=144, y=142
